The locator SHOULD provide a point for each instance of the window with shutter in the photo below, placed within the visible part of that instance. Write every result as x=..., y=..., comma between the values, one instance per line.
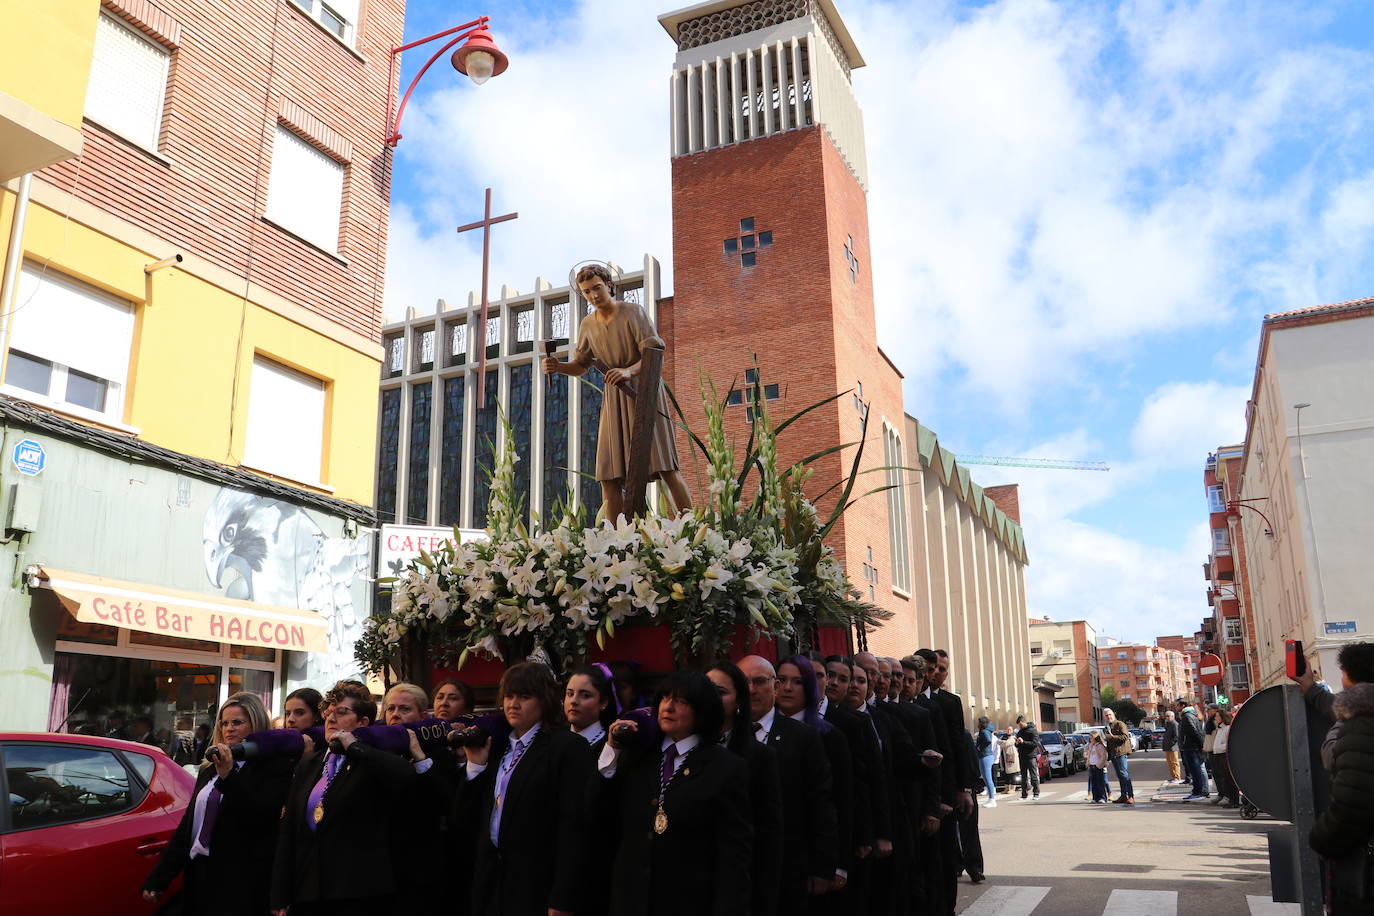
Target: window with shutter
x=285, y=422
x=128, y=83
x=69, y=345
x=338, y=17
x=305, y=192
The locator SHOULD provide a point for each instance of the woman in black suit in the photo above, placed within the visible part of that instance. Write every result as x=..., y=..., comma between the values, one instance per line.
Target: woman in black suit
x=337, y=814
x=526, y=807
x=302, y=709
x=683, y=803
x=590, y=703
x=765, y=791
x=223, y=844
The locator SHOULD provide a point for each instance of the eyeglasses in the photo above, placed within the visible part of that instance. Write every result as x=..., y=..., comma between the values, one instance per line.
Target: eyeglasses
x=337, y=711
x=232, y=723
x=762, y=681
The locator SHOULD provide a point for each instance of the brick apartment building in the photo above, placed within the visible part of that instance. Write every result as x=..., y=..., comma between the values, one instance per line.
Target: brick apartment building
x=1231, y=634
x=1149, y=676
x=193, y=350
x=1065, y=653
x=1188, y=645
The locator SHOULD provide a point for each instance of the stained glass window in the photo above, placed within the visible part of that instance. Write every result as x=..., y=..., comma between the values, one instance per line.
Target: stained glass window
x=555, y=450
x=387, y=457
x=493, y=336
x=417, y=475
x=457, y=343
x=524, y=330
x=484, y=452
x=521, y=409
x=559, y=316
x=589, y=414
x=451, y=463
x=424, y=350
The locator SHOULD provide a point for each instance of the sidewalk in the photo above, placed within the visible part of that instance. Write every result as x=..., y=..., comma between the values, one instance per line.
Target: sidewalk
x=1167, y=794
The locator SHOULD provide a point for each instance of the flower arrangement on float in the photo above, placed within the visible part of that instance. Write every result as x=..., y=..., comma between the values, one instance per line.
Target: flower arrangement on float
x=759, y=563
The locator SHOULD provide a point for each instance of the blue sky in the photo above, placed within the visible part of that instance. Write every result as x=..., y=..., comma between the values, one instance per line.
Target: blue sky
x=1079, y=212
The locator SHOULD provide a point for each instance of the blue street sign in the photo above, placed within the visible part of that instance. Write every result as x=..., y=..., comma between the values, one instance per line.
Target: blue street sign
x=1337, y=627
x=29, y=457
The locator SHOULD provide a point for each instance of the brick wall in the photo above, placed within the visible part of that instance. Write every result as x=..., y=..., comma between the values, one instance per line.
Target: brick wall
x=233, y=74
x=810, y=327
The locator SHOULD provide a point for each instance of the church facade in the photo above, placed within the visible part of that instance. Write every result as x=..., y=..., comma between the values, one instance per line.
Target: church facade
x=771, y=274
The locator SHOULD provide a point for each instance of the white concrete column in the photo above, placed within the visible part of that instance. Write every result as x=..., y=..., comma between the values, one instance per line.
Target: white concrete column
x=736, y=86
x=693, y=109
x=723, y=81
x=766, y=71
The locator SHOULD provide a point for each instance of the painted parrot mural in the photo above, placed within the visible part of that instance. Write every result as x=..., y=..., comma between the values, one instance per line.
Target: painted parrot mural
x=262, y=549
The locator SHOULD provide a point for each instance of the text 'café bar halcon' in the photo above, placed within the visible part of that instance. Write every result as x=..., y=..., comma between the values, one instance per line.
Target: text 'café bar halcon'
x=152, y=587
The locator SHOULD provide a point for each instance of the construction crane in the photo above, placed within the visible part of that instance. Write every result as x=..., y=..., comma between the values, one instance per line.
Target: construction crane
x=1048, y=463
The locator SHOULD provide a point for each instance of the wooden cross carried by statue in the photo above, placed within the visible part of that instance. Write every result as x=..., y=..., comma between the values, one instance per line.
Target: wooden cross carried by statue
x=485, y=224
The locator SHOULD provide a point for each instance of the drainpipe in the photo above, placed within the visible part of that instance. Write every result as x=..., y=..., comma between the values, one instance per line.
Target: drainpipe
x=14, y=257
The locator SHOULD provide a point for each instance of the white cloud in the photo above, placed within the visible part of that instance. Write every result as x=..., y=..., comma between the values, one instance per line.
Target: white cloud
x=1183, y=421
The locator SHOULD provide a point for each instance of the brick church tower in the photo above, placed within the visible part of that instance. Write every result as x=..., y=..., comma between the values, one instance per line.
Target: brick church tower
x=771, y=253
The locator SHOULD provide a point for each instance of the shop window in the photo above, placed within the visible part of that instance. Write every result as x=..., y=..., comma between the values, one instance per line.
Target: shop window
x=253, y=653
x=140, y=638
x=106, y=695
x=70, y=345
x=128, y=82
x=305, y=192
x=61, y=784
x=285, y=422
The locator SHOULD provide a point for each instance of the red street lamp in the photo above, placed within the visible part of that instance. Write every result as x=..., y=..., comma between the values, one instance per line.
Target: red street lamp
x=1234, y=506
x=478, y=59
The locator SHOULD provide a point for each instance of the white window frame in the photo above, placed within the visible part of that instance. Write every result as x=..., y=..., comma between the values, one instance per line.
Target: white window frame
x=285, y=212
x=150, y=141
x=270, y=375
x=1216, y=500
x=1235, y=630
x=1221, y=542
x=316, y=8
x=1241, y=683
x=26, y=297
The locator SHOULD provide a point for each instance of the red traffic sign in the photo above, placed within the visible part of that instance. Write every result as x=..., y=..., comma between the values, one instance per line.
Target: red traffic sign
x=1209, y=669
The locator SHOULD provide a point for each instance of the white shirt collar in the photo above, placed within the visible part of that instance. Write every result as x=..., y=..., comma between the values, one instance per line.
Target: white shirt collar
x=766, y=722
x=526, y=738
x=683, y=746
x=593, y=733
x=871, y=701
x=926, y=692
x=824, y=706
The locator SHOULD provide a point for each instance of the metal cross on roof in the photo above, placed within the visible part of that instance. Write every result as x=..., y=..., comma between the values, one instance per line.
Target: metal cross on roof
x=485, y=224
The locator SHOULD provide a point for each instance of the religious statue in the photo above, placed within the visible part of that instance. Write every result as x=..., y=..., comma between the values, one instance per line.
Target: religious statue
x=613, y=338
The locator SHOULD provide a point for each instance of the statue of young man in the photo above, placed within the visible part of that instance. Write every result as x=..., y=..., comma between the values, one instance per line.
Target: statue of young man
x=616, y=334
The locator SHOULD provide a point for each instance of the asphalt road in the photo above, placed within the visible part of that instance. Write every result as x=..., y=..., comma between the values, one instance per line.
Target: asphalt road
x=1062, y=856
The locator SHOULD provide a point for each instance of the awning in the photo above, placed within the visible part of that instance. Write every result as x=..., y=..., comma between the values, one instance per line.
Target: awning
x=134, y=606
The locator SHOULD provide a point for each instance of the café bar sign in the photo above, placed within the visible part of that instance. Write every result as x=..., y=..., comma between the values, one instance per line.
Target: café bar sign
x=402, y=543
x=188, y=615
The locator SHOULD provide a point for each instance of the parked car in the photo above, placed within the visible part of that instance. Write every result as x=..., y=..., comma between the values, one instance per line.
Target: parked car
x=1157, y=737
x=85, y=821
x=1059, y=751
x=1079, y=744
x=1140, y=739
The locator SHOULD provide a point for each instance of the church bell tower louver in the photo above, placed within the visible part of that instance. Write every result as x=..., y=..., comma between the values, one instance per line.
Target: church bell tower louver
x=771, y=252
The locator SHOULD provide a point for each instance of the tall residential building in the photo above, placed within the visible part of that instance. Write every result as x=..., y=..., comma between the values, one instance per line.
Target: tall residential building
x=1305, y=504
x=1149, y=676
x=1226, y=587
x=191, y=351
x=1066, y=653
x=1188, y=645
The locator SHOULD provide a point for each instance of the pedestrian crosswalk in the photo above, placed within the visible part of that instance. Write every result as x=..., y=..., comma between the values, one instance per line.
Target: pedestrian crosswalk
x=1026, y=900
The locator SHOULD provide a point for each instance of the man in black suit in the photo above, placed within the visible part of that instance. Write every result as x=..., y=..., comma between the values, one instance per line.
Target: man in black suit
x=338, y=810
x=921, y=780
x=810, y=837
x=960, y=766
x=887, y=813
x=852, y=781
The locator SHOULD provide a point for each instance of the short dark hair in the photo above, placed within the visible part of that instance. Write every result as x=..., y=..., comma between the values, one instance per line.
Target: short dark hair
x=914, y=663
x=534, y=679
x=927, y=654
x=596, y=270
x=842, y=659
x=942, y=653
x=696, y=690
x=469, y=698
x=1357, y=661
x=357, y=691
x=310, y=697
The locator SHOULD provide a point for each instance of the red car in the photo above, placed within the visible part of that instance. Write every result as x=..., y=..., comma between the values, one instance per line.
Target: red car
x=85, y=821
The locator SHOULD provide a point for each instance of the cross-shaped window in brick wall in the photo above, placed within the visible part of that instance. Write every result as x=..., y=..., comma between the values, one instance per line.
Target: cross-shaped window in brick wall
x=737, y=396
x=748, y=242
x=851, y=258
